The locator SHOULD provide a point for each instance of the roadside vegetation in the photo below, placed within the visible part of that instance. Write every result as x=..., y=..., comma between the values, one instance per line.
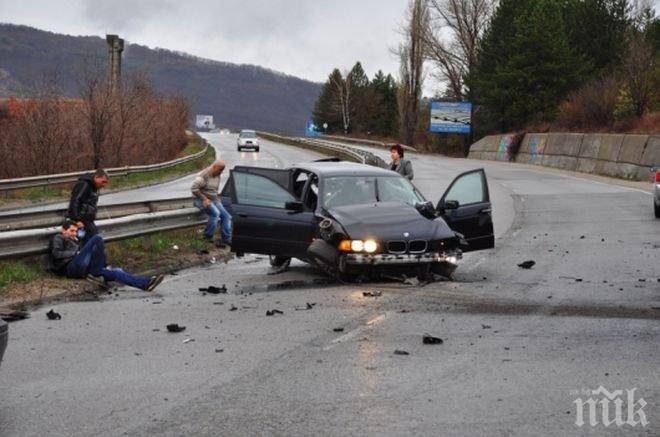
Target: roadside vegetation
x=26, y=281
x=52, y=193
x=526, y=65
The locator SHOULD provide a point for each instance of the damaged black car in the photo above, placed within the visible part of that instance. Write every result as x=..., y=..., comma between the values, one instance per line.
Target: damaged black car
x=354, y=219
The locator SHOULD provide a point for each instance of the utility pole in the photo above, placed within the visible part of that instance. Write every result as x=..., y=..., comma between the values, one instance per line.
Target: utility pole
x=115, y=49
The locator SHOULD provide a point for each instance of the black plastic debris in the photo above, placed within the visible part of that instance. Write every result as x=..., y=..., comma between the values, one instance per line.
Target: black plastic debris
x=308, y=306
x=374, y=293
x=219, y=350
x=429, y=339
x=338, y=330
x=582, y=237
x=174, y=327
x=485, y=326
x=578, y=279
x=212, y=289
x=52, y=315
x=527, y=264
x=401, y=352
x=273, y=312
x=233, y=308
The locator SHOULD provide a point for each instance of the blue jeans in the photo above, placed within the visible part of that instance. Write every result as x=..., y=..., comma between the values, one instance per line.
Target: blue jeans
x=216, y=211
x=91, y=259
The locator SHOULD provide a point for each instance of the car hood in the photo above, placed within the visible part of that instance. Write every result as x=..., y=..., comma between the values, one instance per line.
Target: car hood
x=389, y=221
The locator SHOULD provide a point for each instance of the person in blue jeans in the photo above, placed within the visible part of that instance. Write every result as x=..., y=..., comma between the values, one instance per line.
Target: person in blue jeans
x=69, y=259
x=205, y=190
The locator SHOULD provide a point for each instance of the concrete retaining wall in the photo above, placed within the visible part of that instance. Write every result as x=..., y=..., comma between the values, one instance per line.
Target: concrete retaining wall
x=622, y=156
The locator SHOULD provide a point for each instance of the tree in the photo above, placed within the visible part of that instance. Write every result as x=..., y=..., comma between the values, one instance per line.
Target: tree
x=452, y=41
x=385, y=119
x=411, y=66
x=526, y=67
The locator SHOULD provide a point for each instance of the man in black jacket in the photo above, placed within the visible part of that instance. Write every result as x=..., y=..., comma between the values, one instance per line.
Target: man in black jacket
x=84, y=200
x=68, y=258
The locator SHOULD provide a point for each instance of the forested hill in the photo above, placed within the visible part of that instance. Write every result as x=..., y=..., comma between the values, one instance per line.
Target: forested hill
x=238, y=96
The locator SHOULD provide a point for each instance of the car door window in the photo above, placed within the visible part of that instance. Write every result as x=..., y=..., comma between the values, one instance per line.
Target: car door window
x=252, y=189
x=467, y=189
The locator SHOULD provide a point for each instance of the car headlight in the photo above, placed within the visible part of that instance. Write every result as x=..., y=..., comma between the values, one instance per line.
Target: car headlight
x=357, y=245
x=370, y=246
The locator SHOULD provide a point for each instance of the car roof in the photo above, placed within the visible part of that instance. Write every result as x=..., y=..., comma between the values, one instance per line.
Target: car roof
x=343, y=168
x=247, y=130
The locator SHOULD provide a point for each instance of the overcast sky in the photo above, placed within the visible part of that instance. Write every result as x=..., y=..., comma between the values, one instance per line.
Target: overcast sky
x=304, y=38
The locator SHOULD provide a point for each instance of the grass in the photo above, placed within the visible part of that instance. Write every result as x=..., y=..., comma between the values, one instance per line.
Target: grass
x=60, y=192
x=135, y=255
x=21, y=271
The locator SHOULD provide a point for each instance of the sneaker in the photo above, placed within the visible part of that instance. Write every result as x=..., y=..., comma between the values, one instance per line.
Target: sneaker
x=96, y=280
x=154, y=282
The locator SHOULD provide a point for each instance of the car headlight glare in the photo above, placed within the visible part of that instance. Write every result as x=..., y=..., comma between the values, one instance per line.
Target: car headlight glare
x=357, y=245
x=370, y=246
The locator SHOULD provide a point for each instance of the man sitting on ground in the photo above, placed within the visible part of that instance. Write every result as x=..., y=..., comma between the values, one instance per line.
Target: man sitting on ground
x=205, y=189
x=69, y=259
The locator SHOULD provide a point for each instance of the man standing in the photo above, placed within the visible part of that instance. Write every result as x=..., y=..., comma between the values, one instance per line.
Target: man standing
x=399, y=164
x=205, y=189
x=70, y=259
x=84, y=200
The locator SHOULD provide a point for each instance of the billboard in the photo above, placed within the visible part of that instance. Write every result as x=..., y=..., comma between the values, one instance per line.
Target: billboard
x=204, y=122
x=451, y=117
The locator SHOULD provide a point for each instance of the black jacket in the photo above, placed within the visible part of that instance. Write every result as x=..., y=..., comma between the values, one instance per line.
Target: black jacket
x=62, y=250
x=84, y=198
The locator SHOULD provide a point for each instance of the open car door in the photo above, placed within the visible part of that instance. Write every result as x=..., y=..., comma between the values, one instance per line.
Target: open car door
x=466, y=208
x=267, y=218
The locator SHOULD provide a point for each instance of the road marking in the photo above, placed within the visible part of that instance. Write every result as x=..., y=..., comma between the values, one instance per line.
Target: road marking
x=351, y=334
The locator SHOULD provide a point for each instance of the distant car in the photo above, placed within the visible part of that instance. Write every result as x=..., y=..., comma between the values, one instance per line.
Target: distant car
x=247, y=139
x=656, y=193
x=355, y=219
x=3, y=338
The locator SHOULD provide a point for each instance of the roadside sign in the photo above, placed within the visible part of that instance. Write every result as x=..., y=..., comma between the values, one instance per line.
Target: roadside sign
x=451, y=117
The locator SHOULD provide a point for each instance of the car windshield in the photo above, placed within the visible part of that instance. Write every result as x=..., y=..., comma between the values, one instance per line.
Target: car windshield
x=356, y=190
x=248, y=134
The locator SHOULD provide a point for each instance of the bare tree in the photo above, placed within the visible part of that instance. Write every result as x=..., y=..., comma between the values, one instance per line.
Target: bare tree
x=343, y=94
x=452, y=41
x=640, y=71
x=411, y=66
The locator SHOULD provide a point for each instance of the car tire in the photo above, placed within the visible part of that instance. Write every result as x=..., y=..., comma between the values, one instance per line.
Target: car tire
x=238, y=148
x=656, y=208
x=256, y=149
x=278, y=261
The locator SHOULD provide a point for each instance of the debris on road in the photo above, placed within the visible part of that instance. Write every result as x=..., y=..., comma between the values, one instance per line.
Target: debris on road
x=52, y=315
x=429, y=339
x=309, y=306
x=233, y=308
x=13, y=316
x=273, y=312
x=401, y=352
x=188, y=340
x=485, y=326
x=374, y=293
x=338, y=330
x=174, y=327
x=219, y=350
x=582, y=237
x=212, y=289
x=527, y=264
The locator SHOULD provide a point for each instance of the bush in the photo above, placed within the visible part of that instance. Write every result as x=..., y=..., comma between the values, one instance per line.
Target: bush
x=591, y=106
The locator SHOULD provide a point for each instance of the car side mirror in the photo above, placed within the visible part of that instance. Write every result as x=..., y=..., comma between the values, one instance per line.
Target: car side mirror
x=294, y=206
x=451, y=204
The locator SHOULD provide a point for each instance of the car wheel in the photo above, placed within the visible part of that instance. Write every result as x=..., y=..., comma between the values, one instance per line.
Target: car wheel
x=256, y=150
x=656, y=207
x=278, y=261
x=238, y=148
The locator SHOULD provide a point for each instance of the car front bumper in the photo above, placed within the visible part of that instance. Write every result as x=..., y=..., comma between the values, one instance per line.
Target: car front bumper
x=396, y=259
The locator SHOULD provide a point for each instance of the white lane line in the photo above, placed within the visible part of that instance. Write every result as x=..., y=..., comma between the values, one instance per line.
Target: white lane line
x=351, y=334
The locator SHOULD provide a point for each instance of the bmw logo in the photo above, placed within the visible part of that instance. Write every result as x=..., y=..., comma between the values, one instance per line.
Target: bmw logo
x=406, y=234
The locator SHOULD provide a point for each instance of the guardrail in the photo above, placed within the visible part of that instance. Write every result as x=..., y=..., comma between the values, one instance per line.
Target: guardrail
x=28, y=233
x=54, y=179
x=17, y=220
x=35, y=241
x=366, y=142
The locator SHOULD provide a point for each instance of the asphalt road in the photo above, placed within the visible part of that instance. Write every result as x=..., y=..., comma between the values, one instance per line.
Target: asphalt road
x=520, y=346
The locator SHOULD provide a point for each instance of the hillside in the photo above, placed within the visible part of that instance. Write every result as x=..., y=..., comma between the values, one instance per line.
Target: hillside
x=238, y=96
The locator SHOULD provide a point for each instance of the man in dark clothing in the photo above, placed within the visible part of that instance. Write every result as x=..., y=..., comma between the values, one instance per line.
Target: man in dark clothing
x=68, y=258
x=84, y=200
